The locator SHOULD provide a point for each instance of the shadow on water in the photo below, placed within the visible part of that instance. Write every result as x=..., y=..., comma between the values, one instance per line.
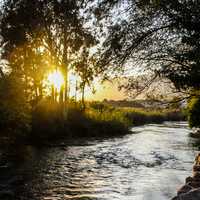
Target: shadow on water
x=19, y=171
x=56, y=172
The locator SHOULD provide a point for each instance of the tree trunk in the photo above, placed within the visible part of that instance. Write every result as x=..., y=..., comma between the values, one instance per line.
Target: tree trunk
x=40, y=91
x=61, y=95
x=1, y=73
x=53, y=93
x=75, y=95
x=83, y=96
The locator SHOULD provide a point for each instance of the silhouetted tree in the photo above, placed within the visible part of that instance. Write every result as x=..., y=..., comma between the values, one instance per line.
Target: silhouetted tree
x=15, y=118
x=163, y=36
x=55, y=26
x=85, y=68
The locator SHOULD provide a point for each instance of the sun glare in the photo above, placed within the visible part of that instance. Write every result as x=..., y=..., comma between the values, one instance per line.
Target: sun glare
x=56, y=79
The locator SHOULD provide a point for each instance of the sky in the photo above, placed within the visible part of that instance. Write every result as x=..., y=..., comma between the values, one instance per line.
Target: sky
x=107, y=90
x=98, y=91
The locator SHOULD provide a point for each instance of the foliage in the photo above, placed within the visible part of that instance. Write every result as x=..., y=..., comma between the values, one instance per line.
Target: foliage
x=161, y=35
x=41, y=36
x=101, y=107
x=84, y=67
x=49, y=122
x=47, y=119
x=109, y=121
x=15, y=116
x=142, y=116
x=96, y=120
x=194, y=112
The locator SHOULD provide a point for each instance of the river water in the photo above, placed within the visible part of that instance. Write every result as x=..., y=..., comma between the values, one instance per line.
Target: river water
x=148, y=164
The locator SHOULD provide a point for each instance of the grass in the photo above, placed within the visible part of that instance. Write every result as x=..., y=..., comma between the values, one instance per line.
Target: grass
x=50, y=122
x=141, y=116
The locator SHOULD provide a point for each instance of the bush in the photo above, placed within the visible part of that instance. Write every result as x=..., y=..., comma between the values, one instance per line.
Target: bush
x=141, y=116
x=194, y=112
x=15, y=112
x=100, y=107
x=110, y=122
x=47, y=119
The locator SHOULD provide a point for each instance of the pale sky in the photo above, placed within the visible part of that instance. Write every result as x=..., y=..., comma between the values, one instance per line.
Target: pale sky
x=107, y=90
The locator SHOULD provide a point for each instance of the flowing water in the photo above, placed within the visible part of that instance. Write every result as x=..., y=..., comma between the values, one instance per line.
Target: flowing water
x=148, y=164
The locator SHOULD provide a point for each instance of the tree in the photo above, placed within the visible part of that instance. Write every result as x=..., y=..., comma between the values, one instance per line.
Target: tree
x=53, y=28
x=162, y=36
x=84, y=67
x=38, y=37
x=194, y=112
x=15, y=112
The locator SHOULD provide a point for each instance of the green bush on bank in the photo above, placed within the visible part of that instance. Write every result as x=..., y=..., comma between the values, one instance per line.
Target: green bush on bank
x=141, y=116
x=51, y=120
x=193, y=110
x=100, y=119
x=15, y=111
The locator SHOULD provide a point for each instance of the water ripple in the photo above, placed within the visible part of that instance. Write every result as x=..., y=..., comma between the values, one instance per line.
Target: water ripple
x=144, y=166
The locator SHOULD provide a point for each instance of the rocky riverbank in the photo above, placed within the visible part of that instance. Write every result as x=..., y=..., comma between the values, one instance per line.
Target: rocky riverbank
x=191, y=189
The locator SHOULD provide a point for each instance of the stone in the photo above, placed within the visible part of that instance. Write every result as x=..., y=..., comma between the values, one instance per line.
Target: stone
x=197, y=159
x=196, y=168
x=192, y=195
x=184, y=189
x=191, y=190
x=189, y=179
x=194, y=184
x=196, y=176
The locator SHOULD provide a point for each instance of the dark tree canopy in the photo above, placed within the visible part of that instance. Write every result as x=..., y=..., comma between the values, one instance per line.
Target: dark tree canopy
x=162, y=35
x=37, y=34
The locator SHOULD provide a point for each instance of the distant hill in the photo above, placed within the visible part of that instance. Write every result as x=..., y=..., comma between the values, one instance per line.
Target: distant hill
x=136, y=103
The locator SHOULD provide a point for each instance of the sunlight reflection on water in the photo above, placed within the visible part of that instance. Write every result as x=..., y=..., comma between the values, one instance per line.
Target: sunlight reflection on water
x=149, y=165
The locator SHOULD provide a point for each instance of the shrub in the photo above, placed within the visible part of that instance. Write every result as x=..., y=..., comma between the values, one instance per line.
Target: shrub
x=100, y=107
x=194, y=112
x=47, y=119
x=15, y=112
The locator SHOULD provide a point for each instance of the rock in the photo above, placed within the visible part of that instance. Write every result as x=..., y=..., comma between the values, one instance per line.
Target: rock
x=196, y=168
x=191, y=189
x=197, y=159
x=189, y=179
x=184, y=189
x=195, y=134
x=196, y=176
x=194, y=184
x=192, y=195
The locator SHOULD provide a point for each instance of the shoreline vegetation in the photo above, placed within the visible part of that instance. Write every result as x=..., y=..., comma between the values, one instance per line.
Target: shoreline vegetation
x=50, y=121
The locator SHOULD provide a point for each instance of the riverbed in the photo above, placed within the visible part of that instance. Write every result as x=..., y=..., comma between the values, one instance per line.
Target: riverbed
x=148, y=164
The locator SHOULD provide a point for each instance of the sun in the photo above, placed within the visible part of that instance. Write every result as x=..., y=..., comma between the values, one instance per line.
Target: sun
x=56, y=79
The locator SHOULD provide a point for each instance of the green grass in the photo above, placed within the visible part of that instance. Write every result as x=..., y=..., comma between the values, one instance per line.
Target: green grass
x=51, y=121
x=141, y=116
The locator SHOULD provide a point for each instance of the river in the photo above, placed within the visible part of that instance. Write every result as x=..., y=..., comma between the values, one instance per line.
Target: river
x=148, y=164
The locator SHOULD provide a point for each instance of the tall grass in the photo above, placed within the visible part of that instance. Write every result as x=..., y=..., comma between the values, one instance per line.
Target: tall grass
x=97, y=119
x=141, y=116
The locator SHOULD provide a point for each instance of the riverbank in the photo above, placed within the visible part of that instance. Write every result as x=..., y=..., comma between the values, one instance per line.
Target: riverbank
x=191, y=189
x=51, y=120
x=96, y=120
